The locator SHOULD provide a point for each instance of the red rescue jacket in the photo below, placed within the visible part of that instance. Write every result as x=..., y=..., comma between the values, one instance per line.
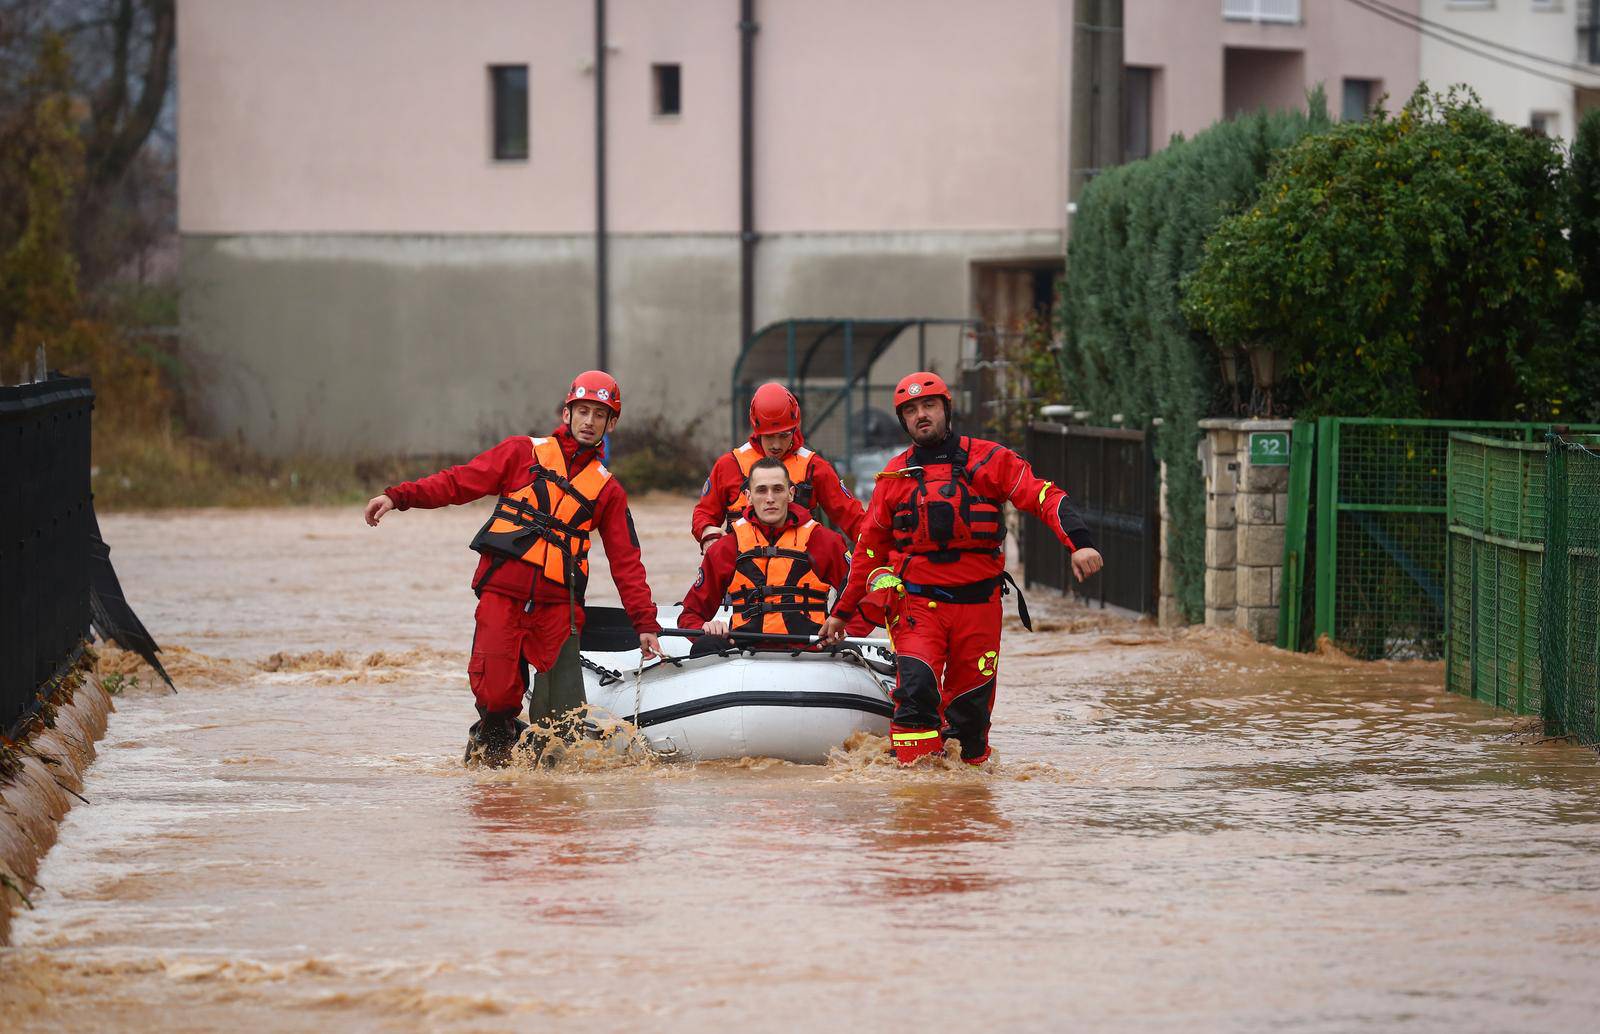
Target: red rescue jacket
x=828, y=561
x=938, y=516
x=724, y=490
x=505, y=469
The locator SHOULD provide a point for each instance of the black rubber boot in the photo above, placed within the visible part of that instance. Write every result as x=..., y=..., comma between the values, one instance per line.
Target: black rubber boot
x=491, y=739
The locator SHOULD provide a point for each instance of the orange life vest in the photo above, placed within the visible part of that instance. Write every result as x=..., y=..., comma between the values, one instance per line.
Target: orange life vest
x=774, y=588
x=548, y=522
x=797, y=463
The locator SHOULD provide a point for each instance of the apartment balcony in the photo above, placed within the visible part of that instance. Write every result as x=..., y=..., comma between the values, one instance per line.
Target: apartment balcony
x=1283, y=12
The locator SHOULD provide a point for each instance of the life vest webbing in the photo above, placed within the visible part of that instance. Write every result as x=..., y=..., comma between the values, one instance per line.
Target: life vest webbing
x=774, y=588
x=548, y=522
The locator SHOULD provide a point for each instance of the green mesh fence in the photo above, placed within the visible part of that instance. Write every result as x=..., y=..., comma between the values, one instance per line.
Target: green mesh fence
x=1570, y=636
x=1496, y=519
x=1382, y=531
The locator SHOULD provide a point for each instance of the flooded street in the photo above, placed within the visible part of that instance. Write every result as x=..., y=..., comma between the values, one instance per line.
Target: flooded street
x=1182, y=832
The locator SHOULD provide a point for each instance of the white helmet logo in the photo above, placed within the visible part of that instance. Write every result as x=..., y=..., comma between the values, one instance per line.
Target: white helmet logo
x=915, y=389
x=604, y=394
x=580, y=391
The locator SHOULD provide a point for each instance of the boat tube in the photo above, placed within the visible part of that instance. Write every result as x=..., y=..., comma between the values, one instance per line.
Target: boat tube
x=793, y=705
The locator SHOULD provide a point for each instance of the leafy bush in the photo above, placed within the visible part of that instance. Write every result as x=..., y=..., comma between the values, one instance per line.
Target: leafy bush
x=1126, y=345
x=1583, y=217
x=1411, y=265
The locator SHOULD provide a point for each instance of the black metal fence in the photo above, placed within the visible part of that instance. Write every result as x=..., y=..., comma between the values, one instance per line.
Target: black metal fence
x=45, y=524
x=1111, y=477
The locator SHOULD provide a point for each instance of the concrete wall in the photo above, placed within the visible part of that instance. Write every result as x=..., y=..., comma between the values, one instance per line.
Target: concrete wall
x=1513, y=95
x=425, y=344
x=359, y=274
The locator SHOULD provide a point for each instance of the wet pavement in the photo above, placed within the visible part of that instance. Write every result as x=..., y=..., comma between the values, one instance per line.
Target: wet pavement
x=1181, y=832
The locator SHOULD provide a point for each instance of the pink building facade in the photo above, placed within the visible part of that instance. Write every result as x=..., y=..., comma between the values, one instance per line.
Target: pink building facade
x=388, y=210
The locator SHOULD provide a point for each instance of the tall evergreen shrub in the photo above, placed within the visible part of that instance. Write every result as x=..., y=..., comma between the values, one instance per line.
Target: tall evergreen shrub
x=1127, y=348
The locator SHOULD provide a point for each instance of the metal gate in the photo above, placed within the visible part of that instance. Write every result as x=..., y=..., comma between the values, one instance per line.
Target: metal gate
x=1378, y=551
x=1110, y=475
x=46, y=518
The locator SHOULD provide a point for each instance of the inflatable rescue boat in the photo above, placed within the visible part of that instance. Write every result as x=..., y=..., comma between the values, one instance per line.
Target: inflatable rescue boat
x=788, y=704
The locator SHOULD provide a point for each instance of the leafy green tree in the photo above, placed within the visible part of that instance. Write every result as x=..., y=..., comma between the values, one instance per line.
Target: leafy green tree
x=1411, y=265
x=38, y=273
x=1583, y=218
x=1126, y=347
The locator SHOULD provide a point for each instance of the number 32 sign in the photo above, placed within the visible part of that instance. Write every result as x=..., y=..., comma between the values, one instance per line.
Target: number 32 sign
x=1269, y=448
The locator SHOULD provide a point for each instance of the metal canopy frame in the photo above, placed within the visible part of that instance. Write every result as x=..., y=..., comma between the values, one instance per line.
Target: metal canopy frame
x=829, y=356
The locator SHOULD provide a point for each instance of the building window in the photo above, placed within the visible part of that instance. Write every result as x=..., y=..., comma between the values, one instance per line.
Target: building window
x=1285, y=11
x=668, y=89
x=1545, y=123
x=509, y=86
x=1136, y=112
x=1359, y=97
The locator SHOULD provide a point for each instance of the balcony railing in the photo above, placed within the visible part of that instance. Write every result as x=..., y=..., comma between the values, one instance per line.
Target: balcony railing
x=1588, y=32
x=1285, y=11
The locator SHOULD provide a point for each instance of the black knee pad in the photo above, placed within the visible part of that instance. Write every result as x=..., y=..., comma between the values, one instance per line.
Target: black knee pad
x=916, y=694
x=968, y=718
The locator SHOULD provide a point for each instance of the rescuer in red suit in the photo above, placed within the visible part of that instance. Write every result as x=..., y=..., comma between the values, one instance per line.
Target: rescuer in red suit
x=777, y=565
x=934, y=542
x=534, y=564
x=774, y=432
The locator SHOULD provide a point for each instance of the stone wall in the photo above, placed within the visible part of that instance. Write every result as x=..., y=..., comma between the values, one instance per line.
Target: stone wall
x=1246, y=508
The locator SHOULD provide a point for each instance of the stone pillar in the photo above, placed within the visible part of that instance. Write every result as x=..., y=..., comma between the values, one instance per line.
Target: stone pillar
x=1246, y=508
x=1167, y=612
x=1218, y=461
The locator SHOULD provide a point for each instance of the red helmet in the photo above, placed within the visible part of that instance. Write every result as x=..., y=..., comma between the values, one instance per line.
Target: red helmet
x=919, y=385
x=773, y=410
x=596, y=386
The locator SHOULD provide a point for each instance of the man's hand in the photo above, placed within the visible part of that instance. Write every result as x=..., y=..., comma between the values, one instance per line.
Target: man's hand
x=711, y=534
x=832, y=631
x=650, y=646
x=1086, y=562
x=716, y=628
x=377, y=506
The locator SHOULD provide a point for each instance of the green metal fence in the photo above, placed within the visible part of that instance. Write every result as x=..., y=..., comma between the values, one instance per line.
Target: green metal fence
x=1496, y=520
x=1570, y=616
x=1370, y=508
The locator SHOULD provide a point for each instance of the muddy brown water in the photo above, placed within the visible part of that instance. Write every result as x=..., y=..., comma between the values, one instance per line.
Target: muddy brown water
x=1181, y=832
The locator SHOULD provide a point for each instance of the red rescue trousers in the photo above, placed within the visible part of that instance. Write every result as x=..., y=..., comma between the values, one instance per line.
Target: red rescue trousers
x=948, y=658
x=509, y=639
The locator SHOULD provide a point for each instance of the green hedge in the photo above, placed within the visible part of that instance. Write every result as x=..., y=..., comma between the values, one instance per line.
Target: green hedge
x=1138, y=232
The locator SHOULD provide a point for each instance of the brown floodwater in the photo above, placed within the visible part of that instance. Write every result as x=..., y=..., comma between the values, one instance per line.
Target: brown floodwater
x=1181, y=832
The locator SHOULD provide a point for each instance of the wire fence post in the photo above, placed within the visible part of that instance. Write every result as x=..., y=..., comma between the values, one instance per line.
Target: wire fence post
x=1553, y=611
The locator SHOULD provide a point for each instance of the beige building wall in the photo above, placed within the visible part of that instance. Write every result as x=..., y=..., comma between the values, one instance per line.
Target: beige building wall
x=1535, y=91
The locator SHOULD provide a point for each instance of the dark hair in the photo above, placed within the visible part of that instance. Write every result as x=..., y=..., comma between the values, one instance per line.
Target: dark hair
x=768, y=463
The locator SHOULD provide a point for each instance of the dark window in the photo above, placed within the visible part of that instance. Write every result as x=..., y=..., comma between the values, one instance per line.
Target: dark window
x=1359, y=97
x=509, y=84
x=1137, y=89
x=669, y=88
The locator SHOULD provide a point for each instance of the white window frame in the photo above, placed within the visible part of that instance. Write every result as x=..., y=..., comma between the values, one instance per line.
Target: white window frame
x=1280, y=12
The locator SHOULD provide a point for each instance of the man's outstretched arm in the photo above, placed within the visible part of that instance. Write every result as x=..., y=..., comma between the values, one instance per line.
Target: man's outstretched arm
x=480, y=476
